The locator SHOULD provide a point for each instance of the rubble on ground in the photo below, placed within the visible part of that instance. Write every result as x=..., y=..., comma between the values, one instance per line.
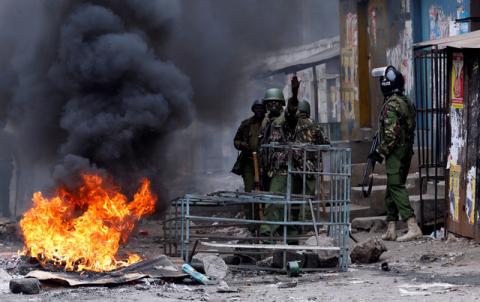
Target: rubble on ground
x=368, y=251
x=27, y=286
x=212, y=265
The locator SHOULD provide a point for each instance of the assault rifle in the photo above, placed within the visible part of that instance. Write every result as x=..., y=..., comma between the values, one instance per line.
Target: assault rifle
x=373, y=157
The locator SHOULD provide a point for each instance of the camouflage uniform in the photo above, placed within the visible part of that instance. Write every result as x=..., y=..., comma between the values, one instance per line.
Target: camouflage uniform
x=275, y=162
x=247, y=141
x=307, y=132
x=397, y=128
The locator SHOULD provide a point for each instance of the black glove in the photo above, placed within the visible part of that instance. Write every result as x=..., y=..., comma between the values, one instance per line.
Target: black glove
x=375, y=156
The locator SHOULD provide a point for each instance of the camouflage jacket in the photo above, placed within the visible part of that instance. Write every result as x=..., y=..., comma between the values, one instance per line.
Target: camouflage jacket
x=246, y=141
x=247, y=136
x=397, y=123
x=307, y=132
x=273, y=130
x=277, y=130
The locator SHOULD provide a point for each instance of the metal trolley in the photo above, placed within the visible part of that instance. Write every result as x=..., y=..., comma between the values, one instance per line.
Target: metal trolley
x=190, y=221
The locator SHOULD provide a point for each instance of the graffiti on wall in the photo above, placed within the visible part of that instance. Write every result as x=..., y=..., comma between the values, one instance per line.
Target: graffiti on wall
x=349, y=62
x=439, y=23
x=372, y=25
x=401, y=56
x=443, y=24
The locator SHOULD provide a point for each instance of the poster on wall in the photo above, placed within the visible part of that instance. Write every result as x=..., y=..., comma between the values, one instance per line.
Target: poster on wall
x=470, y=202
x=457, y=81
x=454, y=190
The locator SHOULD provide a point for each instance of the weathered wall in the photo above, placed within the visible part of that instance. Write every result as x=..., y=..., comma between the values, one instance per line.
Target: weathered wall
x=349, y=93
x=389, y=42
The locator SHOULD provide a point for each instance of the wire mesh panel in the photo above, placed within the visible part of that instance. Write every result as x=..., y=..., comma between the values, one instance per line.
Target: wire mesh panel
x=316, y=200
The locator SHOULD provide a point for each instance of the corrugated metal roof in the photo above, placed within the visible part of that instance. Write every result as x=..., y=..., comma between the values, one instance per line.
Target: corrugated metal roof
x=468, y=40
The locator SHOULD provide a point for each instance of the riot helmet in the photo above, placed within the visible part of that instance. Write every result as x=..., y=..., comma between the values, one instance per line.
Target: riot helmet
x=274, y=101
x=304, y=108
x=274, y=94
x=391, y=80
x=258, y=108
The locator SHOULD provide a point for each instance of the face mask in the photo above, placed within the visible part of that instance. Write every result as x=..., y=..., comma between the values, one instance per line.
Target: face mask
x=259, y=113
x=274, y=108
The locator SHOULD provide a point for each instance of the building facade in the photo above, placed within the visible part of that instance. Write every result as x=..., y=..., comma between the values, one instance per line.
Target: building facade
x=376, y=33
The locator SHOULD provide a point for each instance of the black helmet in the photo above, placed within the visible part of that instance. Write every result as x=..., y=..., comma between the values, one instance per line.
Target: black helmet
x=391, y=80
x=258, y=103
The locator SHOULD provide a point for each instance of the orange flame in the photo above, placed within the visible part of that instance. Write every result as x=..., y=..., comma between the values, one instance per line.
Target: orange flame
x=54, y=232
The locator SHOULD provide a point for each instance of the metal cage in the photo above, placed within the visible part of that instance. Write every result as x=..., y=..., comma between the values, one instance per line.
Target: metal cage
x=190, y=223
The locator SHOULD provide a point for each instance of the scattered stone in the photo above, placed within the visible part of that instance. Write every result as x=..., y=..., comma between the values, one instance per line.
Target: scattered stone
x=4, y=280
x=385, y=267
x=289, y=284
x=25, y=285
x=267, y=262
x=368, y=251
x=232, y=260
x=428, y=258
x=372, y=224
x=142, y=287
x=223, y=287
x=213, y=266
x=321, y=259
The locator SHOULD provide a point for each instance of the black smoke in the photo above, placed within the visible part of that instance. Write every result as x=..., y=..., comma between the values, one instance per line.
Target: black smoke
x=103, y=85
x=91, y=91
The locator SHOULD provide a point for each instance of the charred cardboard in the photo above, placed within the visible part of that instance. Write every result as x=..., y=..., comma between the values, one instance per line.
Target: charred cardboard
x=160, y=267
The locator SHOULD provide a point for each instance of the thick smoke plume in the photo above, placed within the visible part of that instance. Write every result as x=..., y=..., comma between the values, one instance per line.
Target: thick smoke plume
x=90, y=85
x=87, y=89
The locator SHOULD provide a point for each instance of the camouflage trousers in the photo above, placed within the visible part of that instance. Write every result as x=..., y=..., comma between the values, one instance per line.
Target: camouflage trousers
x=278, y=184
x=396, y=198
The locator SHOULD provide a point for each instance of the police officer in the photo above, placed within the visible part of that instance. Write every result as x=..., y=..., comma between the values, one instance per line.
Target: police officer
x=276, y=128
x=397, y=130
x=247, y=141
x=306, y=132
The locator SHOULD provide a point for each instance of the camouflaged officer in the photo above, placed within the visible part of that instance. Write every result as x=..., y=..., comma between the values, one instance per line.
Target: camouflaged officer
x=276, y=129
x=306, y=132
x=247, y=141
x=397, y=131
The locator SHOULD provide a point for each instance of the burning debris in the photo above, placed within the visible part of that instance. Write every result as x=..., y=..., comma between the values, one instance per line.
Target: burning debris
x=55, y=233
x=98, y=99
x=97, y=103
